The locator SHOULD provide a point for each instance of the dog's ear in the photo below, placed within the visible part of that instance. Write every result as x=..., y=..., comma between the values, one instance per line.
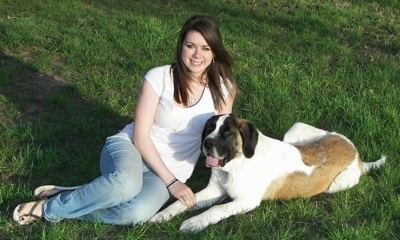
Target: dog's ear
x=249, y=134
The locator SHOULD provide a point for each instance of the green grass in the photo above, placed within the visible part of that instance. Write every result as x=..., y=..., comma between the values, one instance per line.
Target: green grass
x=69, y=77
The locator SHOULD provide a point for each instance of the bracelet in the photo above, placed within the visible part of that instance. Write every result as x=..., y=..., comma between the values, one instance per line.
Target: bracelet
x=171, y=182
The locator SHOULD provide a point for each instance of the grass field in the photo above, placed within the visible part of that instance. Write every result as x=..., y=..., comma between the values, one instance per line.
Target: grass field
x=69, y=77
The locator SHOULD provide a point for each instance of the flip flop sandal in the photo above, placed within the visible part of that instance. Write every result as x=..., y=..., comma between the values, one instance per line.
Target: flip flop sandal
x=49, y=191
x=21, y=218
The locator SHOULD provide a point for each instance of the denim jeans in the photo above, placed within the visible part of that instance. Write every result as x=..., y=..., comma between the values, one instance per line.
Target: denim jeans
x=126, y=193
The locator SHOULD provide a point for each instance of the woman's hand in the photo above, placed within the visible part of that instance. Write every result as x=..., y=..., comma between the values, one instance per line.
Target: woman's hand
x=183, y=193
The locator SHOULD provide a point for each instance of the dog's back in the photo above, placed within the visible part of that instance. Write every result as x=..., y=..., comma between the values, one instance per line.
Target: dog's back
x=337, y=167
x=329, y=156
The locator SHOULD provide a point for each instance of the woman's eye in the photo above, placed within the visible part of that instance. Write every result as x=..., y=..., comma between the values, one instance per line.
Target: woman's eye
x=206, y=49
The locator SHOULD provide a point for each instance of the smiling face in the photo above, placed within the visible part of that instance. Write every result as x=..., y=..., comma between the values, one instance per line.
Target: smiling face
x=196, y=54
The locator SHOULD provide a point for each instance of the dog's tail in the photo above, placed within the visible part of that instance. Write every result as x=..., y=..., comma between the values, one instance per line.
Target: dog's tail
x=367, y=166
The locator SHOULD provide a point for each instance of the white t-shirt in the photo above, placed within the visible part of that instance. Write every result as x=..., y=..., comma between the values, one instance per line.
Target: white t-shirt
x=176, y=131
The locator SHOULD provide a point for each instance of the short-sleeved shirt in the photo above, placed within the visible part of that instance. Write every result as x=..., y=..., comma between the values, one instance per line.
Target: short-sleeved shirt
x=176, y=131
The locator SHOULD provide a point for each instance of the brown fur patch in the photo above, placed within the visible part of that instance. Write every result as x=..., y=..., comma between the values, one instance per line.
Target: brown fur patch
x=239, y=142
x=312, y=154
x=241, y=123
x=248, y=135
x=330, y=156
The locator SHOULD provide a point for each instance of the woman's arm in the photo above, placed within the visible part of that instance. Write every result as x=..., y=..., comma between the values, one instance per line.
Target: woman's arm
x=144, y=117
x=227, y=107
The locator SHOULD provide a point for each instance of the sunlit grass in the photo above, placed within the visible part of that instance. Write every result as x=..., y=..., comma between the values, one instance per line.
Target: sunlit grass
x=70, y=72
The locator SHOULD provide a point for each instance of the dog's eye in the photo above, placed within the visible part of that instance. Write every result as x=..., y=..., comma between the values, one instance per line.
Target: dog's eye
x=227, y=132
x=210, y=127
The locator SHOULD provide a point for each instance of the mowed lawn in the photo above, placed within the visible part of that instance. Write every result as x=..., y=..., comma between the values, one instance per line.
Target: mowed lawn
x=70, y=74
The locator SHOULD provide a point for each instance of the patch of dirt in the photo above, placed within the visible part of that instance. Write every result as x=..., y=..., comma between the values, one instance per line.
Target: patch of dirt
x=30, y=91
x=27, y=89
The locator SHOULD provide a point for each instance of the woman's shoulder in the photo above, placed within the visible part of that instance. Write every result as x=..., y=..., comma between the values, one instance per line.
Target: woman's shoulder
x=159, y=78
x=160, y=73
x=159, y=70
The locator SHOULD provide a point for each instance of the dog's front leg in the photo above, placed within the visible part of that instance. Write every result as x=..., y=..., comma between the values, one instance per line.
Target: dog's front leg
x=210, y=195
x=217, y=213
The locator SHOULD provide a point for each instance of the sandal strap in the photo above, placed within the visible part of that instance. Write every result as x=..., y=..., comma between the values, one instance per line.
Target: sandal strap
x=30, y=213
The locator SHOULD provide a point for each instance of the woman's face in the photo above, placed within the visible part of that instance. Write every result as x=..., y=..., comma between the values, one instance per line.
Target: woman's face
x=196, y=54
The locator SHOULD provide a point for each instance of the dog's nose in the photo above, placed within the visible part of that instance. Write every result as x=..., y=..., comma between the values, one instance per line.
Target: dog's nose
x=209, y=143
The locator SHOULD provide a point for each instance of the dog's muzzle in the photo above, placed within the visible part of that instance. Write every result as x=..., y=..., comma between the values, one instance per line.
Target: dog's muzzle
x=212, y=157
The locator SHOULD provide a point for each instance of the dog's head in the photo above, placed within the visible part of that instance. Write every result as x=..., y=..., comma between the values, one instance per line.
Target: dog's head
x=225, y=137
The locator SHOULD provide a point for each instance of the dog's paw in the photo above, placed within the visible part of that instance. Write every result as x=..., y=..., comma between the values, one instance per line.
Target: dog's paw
x=168, y=213
x=161, y=217
x=194, y=224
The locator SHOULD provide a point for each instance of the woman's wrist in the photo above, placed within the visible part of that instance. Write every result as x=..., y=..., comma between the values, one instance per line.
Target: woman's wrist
x=169, y=183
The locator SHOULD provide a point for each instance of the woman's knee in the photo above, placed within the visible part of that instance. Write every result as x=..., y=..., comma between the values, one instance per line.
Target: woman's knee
x=124, y=185
x=143, y=206
x=119, y=154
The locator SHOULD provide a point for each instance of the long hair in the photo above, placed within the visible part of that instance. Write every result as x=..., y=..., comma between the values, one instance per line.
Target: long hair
x=220, y=69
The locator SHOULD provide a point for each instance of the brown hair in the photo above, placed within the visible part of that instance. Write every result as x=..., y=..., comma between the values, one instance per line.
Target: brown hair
x=221, y=68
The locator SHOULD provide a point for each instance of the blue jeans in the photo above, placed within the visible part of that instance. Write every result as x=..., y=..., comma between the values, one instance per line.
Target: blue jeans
x=126, y=193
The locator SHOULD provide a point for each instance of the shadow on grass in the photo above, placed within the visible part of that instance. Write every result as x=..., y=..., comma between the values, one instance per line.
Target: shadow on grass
x=58, y=131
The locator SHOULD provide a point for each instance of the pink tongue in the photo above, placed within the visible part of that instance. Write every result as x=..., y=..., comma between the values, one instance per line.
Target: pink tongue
x=211, y=161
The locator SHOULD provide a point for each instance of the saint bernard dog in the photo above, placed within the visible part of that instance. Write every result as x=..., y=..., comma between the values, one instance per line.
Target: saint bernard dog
x=249, y=167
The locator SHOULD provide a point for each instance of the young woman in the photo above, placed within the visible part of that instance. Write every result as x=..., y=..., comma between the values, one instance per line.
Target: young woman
x=149, y=161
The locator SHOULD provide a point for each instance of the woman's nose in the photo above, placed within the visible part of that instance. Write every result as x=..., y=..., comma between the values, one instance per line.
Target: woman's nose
x=196, y=52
